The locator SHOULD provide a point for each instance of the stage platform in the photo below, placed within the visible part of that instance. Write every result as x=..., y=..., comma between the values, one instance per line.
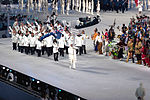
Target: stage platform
x=96, y=78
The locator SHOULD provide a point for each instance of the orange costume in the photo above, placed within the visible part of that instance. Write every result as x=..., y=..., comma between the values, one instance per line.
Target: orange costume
x=94, y=36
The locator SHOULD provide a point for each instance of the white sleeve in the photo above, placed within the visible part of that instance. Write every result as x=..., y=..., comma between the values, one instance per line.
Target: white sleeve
x=10, y=29
x=28, y=23
x=36, y=23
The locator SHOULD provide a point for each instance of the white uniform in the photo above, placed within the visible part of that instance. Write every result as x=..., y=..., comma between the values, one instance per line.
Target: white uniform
x=25, y=26
x=62, y=42
x=43, y=42
x=70, y=40
x=15, y=23
x=84, y=37
x=49, y=41
x=15, y=38
x=17, y=28
x=78, y=41
x=38, y=45
x=64, y=33
x=66, y=39
x=55, y=51
x=23, y=30
x=48, y=20
x=72, y=57
x=32, y=41
x=37, y=26
x=33, y=27
x=26, y=41
x=55, y=25
x=55, y=47
x=49, y=27
x=30, y=29
x=20, y=41
x=59, y=27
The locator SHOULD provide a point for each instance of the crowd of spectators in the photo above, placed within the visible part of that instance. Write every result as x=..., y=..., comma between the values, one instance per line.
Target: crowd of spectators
x=132, y=41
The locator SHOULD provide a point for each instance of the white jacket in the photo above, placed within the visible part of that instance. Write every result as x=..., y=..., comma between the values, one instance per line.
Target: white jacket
x=22, y=29
x=17, y=28
x=78, y=41
x=48, y=20
x=15, y=38
x=55, y=47
x=20, y=41
x=72, y=53
x=15, y=23
x=66, y=39
x=44, y=42
x=37, y=25
x=26, y=41
x=84, y=37
x=49, y=41
x=38, y=45
x=64, y=33
x=62, y=42
x=31, y=30
x=32, y=41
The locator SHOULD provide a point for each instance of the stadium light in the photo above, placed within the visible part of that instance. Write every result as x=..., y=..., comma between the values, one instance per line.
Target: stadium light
x=33, y=79
x=38, y=81
x=7, y=69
